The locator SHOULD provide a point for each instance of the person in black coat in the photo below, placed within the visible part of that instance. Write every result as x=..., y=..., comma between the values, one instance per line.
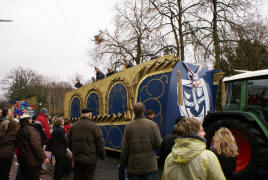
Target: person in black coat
x=110, y=72
x=263, y=171
x=39, y=128
x=30, y=151
x=168, y=143
x=224, y=146
x=58, y=147
x=99, y=74
x=78, y=84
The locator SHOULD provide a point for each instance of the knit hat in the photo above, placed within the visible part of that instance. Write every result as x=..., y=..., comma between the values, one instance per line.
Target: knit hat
x=43, y=110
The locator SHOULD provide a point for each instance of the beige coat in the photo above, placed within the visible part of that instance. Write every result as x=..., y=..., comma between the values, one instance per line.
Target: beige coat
x=141, y=138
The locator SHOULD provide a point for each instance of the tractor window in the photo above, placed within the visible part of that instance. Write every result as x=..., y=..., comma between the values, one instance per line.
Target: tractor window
x=233, y=94
x=257, y=90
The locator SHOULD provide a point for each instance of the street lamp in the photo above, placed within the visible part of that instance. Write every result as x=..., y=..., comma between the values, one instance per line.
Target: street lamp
x=4, y=20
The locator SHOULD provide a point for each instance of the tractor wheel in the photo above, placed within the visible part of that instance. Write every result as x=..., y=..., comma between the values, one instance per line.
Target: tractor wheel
x=250, y=141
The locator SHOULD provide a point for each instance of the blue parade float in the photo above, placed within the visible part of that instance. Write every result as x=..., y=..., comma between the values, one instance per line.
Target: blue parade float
x=169, y=87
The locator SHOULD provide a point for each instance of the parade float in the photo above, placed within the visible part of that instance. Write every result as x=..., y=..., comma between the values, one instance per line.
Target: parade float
x=172, y=88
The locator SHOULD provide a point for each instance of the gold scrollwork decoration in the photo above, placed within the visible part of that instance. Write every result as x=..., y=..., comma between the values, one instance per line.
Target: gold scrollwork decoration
x=160, y=109
x=121, y=136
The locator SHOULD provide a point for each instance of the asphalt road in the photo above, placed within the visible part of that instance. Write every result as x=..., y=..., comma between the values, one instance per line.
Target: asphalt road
x=106, y=169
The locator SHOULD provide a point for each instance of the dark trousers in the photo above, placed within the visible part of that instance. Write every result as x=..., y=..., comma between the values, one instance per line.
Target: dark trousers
x=30, y=173
x=84, y=172
x=5, y=165
x=150, y=176
x=18, y=176
x=59, y=171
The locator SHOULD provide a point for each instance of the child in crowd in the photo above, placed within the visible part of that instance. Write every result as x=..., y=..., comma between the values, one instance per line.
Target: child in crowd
x=225, y=147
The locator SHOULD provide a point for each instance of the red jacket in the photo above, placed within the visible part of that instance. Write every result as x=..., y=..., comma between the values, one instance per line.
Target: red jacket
x=42, y=118
x=66, y=128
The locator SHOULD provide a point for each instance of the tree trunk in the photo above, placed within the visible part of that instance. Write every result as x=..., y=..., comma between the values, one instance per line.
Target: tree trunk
x=139, y=51
x=180, y=31
x=175, y=36
x=216, y=37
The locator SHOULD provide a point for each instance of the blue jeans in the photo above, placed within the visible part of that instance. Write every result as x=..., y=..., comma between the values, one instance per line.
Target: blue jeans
x=150, y=176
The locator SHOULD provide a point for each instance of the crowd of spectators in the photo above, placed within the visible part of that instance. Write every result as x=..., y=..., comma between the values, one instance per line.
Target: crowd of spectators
x=76, y=148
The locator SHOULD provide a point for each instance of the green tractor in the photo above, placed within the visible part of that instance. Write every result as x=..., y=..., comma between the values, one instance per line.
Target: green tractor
x=245, y=113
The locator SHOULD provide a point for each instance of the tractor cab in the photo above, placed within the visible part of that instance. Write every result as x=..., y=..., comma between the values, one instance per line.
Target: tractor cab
x=245, y=114
x=257, y=96
x=248, y=92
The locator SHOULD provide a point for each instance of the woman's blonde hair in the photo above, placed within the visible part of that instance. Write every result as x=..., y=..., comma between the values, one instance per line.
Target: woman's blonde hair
x=187, y=127
x=224, y=143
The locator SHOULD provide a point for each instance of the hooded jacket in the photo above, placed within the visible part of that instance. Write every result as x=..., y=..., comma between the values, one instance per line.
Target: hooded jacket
x=44, y=121
x=189, y=160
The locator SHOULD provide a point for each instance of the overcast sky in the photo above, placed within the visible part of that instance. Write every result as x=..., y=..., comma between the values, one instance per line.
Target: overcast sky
x=52, y=37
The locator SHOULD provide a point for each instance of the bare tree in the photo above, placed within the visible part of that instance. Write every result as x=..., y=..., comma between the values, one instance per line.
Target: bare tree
x=222, y=16
x=55, y=92
x=135, y=38
x=201, y=28
x=181, y=22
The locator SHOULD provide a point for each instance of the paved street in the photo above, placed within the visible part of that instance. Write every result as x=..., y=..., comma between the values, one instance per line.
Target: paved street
x=106, y=170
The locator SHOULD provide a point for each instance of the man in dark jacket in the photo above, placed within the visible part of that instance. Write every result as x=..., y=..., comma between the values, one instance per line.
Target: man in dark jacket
x=30, y=151
x=99, y=74
x=87, y=145
x=110, y=72
x=128, y=64
x=168, y=143
x=141, y=138
x=78, y=83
